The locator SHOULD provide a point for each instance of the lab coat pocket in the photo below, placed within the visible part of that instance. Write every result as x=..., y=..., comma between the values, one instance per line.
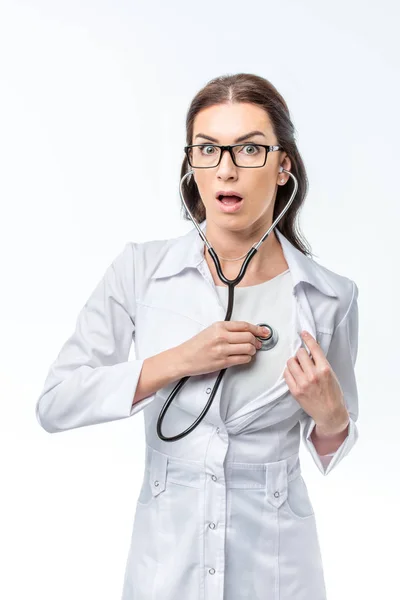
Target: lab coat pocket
x=299, y=554
x=288, y=491
x=143, y=561
x=298, y=502
x=181, y=500
x=154, y=480
x=179, y=508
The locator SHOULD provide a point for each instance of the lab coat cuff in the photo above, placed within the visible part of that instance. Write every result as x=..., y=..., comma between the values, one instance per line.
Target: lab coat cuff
x=130, y=373
x=119, y=386
x=138, y=406
x=324, y=466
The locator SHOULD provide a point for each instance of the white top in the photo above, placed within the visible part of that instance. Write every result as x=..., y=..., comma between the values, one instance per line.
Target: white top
x=269, y=302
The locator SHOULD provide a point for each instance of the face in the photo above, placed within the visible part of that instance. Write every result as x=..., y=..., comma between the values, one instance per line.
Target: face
x=258, y=186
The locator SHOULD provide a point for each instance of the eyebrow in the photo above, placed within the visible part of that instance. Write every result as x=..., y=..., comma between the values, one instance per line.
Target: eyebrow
x=239, y=139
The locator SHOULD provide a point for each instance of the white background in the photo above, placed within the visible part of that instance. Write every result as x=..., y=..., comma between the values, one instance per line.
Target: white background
x=87, y=90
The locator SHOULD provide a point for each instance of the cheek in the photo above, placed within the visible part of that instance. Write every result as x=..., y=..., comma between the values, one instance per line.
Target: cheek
x=204, y=186
x=263, y=191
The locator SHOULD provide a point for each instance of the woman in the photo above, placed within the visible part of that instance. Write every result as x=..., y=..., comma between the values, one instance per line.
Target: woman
x=223, y=513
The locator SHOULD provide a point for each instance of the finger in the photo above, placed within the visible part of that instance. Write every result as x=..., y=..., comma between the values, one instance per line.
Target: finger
x=244, y=326
x=295, y=368
x=238, y=325
x=296, y=375
x=241, y=337
x=239, y=343
x=313, y=348
x=290, y=380
x=306, y=362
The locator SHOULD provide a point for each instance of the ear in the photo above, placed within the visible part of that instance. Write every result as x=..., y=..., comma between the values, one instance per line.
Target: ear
x=285, y=161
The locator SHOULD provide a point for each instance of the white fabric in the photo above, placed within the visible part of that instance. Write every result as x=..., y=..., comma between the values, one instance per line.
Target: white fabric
x=223, y=513
x=268, y=302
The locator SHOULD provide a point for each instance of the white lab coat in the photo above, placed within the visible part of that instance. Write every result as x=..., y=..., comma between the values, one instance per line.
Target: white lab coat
x=223, y=513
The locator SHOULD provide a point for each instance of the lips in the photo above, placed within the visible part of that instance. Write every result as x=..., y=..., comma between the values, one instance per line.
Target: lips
x=228, y=194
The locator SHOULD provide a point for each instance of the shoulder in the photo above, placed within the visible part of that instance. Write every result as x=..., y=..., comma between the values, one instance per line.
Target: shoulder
x=137, y=261
x=344, y=287
x=148, y=256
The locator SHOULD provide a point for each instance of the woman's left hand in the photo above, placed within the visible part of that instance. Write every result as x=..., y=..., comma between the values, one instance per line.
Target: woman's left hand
x=312, y=381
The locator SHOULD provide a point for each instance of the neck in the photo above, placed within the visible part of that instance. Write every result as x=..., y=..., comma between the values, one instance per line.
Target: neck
x=267, y=261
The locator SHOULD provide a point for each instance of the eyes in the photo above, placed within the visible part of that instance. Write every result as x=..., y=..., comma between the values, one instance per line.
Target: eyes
x=254, y=149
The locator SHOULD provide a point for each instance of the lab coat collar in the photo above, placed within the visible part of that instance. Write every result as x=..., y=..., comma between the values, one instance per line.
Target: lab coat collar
x=187, y=251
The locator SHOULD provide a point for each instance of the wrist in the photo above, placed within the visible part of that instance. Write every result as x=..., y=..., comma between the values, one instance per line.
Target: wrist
x=335, y=427
x=177, y=364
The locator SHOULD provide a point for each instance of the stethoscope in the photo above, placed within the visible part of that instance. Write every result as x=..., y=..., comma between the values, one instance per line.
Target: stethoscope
x=268, y=342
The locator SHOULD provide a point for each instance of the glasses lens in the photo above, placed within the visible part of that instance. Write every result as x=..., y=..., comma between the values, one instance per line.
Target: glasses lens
x=207, y=156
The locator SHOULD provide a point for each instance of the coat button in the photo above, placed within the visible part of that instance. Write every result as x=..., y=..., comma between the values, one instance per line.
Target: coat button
x=208, y=390
x=213, y=478
x=211, y=571
x=156, y=483
x=212, y=525
x=217, y=430
x=276, y=494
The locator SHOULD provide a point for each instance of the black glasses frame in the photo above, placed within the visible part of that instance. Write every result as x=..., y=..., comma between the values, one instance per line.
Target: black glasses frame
x=229, y=148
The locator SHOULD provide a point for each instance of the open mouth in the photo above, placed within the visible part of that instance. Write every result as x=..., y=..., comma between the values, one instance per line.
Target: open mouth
x=229, y=200
x=229, y=204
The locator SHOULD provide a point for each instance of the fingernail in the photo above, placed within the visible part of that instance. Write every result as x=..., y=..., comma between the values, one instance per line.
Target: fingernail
x=304, y=333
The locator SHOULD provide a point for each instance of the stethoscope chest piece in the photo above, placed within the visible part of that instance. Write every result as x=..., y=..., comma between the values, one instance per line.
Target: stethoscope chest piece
x=270, y=340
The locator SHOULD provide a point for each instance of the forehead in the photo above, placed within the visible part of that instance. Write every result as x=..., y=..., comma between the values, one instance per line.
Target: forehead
x=231, y=120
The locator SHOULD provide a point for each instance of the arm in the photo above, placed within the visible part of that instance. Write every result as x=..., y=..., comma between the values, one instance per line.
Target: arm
x=157, y=372
x=342, y=355
x=91, y=381
x=325, y=443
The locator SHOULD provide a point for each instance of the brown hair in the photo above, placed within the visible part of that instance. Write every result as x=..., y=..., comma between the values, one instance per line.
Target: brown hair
x=246, y=87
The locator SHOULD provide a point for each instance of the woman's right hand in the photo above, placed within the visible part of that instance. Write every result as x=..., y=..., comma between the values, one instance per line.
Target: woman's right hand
x=221, y=345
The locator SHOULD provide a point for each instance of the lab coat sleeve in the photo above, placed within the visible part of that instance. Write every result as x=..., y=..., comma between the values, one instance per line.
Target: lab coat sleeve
x=342, y=355
x=326, y=458
x=91, y=381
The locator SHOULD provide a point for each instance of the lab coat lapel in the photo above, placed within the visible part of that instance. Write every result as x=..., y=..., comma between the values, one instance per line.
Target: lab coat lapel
x=187, y=251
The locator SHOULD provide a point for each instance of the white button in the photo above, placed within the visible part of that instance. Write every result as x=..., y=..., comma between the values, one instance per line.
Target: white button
x=208, y=390
x=211, y=571
x=277, y=494
x=212, y=525
x=156, y=483
x=213, y=478
x=217, y=430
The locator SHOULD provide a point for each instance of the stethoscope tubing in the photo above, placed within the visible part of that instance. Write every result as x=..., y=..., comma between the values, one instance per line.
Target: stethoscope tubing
x=231, y=285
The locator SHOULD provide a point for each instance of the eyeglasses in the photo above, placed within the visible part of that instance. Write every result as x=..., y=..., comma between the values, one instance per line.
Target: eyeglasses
x=199, y=156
